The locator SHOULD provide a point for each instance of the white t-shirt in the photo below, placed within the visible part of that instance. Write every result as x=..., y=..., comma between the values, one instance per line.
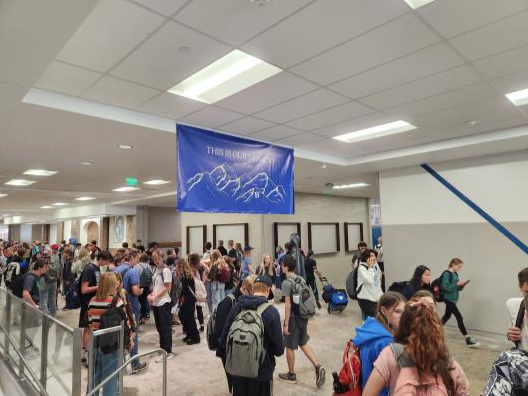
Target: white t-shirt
x=513, y=305
x=159, y=279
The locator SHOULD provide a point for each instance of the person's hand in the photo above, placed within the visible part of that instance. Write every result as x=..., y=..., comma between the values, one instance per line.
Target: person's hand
x=150, y=298
x=285, y=330
x=514, y=334
x=462, y=283
x=131, y=347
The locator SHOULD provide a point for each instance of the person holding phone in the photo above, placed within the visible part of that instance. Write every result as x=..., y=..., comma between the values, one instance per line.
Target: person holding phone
x=451, y=287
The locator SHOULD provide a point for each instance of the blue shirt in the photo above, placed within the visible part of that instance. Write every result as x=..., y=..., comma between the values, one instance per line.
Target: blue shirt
x=245, y=266
x=130, y=278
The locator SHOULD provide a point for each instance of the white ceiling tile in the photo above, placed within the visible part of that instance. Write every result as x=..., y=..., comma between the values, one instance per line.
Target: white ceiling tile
x=331, y=147
x=303, y=105
x=64, y=78
x=334, y=115
x=212, y=117
x=443, y=101
x=401, y=140
x=235, y=21
x=504, y=63
x=423, y=63
x=301, y=138
x=358, y=123
x=104, y=39
x=274, y=133
x=247, y=125
x=463, y=130
x=390, y=41
x=159, y=63
x=308, y=32
x=511, y=83
x=267, y=93
x=165, y=7
x=453, y=17
x=499, y=36
x=429, y=86
x=172, y=106
x=118, y=92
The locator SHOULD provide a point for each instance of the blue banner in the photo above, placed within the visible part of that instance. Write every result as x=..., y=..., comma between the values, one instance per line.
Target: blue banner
x=227, y=174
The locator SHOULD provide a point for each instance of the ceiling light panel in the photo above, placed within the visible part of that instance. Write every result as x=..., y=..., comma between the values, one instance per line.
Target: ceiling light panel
x=46, y=207
x=3, y=195
x=228, y=75
x=354, y=185
x=59, y=204
x=125, y=146
x=125, y=189
x=39, y=172
x=414, y=4
x=156, y=182
x=376, y=132
x=518, y=98
x=20, y=182
x=84, y=199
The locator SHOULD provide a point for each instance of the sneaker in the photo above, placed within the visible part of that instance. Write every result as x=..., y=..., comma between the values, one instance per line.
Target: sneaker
x=159, y=359
x=192, y=342
x=319, y=376
x=288, y=377
x=201, y=328
x=472, y=344
x=185, y=339
x=139, y=367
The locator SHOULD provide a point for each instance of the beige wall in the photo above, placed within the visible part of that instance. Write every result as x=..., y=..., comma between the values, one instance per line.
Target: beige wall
x=164, y=224
x=308, y=208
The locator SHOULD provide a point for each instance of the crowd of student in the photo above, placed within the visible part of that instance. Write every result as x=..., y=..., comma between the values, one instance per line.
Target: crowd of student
x=400, y=346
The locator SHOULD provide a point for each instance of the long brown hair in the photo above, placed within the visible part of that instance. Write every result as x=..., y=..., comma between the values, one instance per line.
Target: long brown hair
x=422, y=333
x=388, y=300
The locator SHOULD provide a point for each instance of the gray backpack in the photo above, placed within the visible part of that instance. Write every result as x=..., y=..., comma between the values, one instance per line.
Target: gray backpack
x=245, y=343
x=306, y=297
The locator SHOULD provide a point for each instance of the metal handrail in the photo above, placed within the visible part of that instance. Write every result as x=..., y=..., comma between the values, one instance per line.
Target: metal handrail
x=21, y=357
x=119, y=369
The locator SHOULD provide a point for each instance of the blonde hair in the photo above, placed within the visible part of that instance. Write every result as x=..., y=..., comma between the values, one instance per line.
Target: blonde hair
x=248, y=283
x=84, y=256
x=107, y=286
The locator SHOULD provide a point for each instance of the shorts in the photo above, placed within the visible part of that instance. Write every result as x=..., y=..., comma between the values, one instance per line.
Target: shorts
x=83, y=317
x=298, y=337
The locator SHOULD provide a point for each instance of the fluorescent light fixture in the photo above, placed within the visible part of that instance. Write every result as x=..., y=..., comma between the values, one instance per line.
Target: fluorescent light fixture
x=414, y=4
x=84, y=198
x=226, y=76
x=375, y=132
x=125, y=189
x=39, y=172
x=86, y=163
x=125, y=146
x=354, y=185
x=518, y=98
x=46, y=207
x=59, y=204
x=20, y=182
x=156, y=182
x=3, y=195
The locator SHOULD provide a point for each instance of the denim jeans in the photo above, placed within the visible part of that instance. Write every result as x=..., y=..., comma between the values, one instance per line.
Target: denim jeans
x=134, y=351
x=218, y=290
x=209, y=297
x=104, y=365
x=48, y=293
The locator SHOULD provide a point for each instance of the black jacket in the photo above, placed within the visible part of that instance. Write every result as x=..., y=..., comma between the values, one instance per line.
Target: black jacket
x=222, y=312
x=273, y=339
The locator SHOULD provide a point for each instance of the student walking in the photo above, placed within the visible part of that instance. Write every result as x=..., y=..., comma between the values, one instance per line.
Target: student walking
x=296, y=328
x=451, y=287
x=188, y=301
x=368, y=284
x=311, y=270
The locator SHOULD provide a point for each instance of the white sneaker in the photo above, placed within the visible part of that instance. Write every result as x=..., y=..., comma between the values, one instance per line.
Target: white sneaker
x=159, y=359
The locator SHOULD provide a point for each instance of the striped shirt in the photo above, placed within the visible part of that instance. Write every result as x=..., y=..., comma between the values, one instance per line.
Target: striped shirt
x=97, y=308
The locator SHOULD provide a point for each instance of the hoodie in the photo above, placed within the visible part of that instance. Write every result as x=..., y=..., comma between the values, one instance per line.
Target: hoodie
x=370, y=339
x=222, y=313
x=273, y=339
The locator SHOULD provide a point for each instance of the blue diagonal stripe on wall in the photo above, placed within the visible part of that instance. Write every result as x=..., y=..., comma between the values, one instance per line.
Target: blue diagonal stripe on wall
x=477, y=208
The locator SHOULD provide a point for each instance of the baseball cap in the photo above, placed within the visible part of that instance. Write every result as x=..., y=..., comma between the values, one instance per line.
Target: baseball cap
x=54, y=246
x=268, y=282
x=247, y=247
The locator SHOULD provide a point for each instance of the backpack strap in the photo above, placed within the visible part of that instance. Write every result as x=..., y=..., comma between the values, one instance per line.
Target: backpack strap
x=231, y=297
x=401, y=356
x=520, y=318
x=262, y=307
x=113, y=304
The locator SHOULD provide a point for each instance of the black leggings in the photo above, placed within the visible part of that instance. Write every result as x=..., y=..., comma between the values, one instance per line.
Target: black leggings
x=199, y=313
x=451, y=308
x=368, y=308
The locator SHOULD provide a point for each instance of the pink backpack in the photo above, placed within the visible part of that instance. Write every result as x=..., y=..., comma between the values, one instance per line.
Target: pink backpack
x=409, y=383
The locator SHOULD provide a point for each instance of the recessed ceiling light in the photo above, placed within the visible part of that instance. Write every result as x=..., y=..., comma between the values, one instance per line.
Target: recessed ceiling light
x=59, y=204
x=20, y=182
x=84, y=198
x=375, y=132
x=226, y=76
x=518, y=98
x=86, y=163
x=184, y=50
x=125, y=146
x=46, y=207
x=3, y=195
x=39, y=172
x=354, y=185
x=125, y=189
x=414, y=4
x=156, y=182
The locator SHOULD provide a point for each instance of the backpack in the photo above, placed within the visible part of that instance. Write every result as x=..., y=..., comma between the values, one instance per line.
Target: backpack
x=200, y=290
x=224, y=275
x=519, y=321
x=112, y=317
x=212, y=339
x=53, y=272
x=436, y=286
x=348, y=383
x=410, y=382
x=245, y=348
x=399, y=287
x=213, y=273
x=306, y=297
x=145, y=279
x=12, y=271
x=176, y=289
x=17, y=285
x=351, y=285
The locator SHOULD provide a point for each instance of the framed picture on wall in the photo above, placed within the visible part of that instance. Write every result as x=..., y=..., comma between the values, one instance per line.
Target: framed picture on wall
x=282, y=232
x=196, y=236
x=324, y=238
x=353, y=235
x=238, y=232
x=119, y=228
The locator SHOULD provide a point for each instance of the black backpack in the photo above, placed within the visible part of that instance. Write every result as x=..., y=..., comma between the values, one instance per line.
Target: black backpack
x=399, y=287
x=352, y=288
x=145, y=279
x=113, y=317
x=436, y=286
x=17, y=285
x=212, y=339
x=13, y=271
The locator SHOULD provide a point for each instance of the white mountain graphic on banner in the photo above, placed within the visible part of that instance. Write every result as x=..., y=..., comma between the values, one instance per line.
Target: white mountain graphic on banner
x=222, y=182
